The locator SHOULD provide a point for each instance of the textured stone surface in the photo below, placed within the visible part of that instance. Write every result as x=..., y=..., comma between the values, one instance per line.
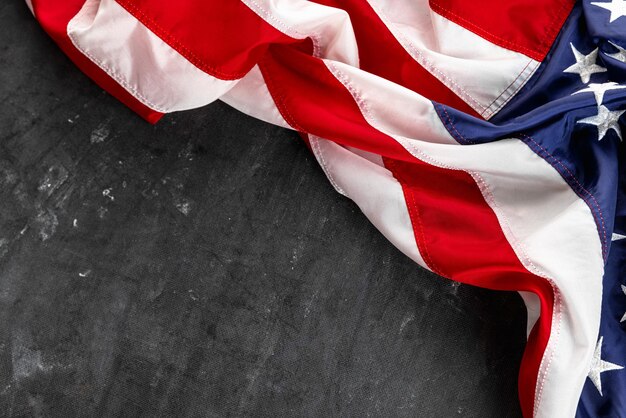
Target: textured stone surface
x=205, y=267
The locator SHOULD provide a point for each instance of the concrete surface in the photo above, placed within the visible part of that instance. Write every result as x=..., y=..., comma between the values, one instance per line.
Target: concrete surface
x=204, y=267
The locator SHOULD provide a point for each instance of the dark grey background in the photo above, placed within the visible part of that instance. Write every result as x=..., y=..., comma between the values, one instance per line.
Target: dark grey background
x=204, y=267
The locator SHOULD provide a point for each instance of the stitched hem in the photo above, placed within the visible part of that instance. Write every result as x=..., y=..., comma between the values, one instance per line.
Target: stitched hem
x=177, y=45
x=545, y=41
x=576, y=186
x=319, y=156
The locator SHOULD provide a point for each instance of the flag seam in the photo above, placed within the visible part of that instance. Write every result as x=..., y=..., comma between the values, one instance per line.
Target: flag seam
x=509, y=86
x=511, y=94
x=569, y=177
x=319, y=154
x=114, y=74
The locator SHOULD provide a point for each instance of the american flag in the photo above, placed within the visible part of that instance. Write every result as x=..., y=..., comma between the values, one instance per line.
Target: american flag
x=483, y=139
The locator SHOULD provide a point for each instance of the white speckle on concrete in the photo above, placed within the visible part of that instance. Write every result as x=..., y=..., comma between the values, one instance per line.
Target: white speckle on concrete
x=48, y=222
x=107, y=193
x=75, y=223
x=24, y=360
x=4, y=247
x=44, y=185
x=102, y=211
x=100, y=134
x=307, y=308
x=183, y=206
x=54, y=178
x=84, y=273
x=187, y=152
x=8, y=176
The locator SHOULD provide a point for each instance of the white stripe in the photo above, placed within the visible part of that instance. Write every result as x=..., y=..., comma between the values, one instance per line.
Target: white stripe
x=252, y=97
x=535, y=207
x=483, y=74
x=373, y=188
x=139, y=60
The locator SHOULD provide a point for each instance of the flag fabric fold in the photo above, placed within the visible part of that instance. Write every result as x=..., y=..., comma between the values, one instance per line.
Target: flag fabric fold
x=484, y=142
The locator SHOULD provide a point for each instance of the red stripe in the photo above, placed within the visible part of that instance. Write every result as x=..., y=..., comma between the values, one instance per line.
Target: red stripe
x=458, y=234
x=526, y=26
x=459, y=237
x=222, y=38
x=319, y=103
x=380, y=53
x=54, y=15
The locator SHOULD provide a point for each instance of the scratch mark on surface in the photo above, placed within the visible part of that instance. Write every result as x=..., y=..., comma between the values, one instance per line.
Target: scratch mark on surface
x=307, y=308
x=266, y=351
x=155, y=293
x=85, y=273
x=405, y=322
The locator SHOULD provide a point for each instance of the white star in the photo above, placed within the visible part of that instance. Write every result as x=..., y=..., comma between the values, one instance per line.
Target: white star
x=617, y=237
x=616, y=7
x=585, y=65
x=599, y=366
x=599, y=90
x=620, y=55
x=605, y=120
x=623, y=317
